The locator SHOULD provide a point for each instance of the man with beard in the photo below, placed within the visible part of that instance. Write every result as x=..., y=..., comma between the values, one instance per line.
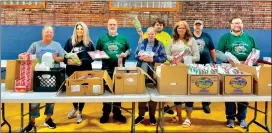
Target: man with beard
x=240, y=45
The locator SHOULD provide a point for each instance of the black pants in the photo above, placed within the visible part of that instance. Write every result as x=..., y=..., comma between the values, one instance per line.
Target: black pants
x=206, y=103
x=107, y=106
x=81, y=106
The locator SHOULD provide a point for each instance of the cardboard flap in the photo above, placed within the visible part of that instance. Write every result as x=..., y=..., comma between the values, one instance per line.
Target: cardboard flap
x=108, y=81
x=143, y=72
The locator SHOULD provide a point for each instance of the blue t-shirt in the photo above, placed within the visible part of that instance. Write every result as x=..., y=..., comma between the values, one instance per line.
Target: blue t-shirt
x=205, y=44
x=39, y=49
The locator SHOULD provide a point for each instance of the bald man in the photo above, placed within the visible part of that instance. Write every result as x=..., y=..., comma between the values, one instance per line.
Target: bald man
x=115, y=46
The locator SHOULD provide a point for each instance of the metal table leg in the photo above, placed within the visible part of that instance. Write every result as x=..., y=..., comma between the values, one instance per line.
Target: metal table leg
x=22, y=118
x=265, y=127
x=159, y=119
x=4, y=119
x=133, y=118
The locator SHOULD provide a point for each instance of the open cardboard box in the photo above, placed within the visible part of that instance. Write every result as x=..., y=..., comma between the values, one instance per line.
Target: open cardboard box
x=13, y=72
x=77, y=86
x=173, y=79
x=129, y=80
x=262, y=84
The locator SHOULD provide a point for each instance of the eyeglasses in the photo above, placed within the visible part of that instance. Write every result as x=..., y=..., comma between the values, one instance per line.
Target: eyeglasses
x=238, y=23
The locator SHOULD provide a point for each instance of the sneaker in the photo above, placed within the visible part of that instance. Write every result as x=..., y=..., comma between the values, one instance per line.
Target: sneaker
x=153, y=120
x=168, y=110
x=207, y=109
x=30, y=126
x=104, y=119
x=139, y=119
x=79, y=118
x=49, y=123
x=230, y=123
x=72, y=113
x=243, y=124
x=120, y=118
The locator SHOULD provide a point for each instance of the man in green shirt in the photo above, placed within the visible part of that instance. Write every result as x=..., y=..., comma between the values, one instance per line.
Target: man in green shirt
x=115, y=46
x=240, y=45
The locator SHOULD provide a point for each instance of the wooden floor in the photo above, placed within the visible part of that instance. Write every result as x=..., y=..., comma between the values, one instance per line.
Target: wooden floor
x=201, y=122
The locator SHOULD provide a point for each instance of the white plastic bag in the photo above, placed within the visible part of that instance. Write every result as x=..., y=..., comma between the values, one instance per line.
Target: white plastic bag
x=48, y=58
x=232, y=57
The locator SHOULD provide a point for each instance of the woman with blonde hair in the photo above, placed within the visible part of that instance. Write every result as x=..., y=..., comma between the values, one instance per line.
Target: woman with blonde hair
x=80, y=44
x=183, y=40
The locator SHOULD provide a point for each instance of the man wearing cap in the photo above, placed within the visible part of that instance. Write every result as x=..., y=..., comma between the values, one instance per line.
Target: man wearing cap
x=206, y=50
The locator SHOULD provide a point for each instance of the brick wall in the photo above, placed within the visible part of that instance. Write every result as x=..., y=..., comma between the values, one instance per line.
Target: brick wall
x=256, y=15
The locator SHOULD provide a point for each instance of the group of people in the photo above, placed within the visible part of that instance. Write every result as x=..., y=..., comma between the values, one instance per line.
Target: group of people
x=154, y=40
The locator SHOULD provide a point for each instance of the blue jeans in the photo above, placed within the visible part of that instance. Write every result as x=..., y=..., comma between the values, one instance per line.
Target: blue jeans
x=231, y=110
x=35, y=109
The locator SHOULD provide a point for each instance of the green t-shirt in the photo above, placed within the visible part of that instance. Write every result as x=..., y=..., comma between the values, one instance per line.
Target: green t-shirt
x=240, y=46
x=113, y=47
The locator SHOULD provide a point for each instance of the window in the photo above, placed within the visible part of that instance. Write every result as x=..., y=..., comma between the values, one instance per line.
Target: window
x=150, y=5
x=22, y=4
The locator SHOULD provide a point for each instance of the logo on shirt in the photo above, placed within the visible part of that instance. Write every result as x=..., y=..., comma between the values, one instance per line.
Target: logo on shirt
x=43, y=51
x=77, y=49
x=239, y=48
x=112, y=47
x=201, y=45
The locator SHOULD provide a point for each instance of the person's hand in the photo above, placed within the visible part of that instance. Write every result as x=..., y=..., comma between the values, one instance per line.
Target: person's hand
x=54, y=57
x=70, y=62
x=140, y=33
x=79, y=63
x=123, y=55
x=231, y=61
x=179, y=61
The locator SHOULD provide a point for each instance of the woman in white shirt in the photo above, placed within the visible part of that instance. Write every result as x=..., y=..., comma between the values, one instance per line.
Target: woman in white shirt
x=182, y=41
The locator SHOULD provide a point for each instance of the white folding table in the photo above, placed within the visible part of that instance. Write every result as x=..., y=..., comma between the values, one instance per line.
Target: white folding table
x=51, y=97
x=156, y=97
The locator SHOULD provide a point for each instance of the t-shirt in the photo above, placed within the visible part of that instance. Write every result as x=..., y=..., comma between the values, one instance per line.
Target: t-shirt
x=205, y=44
x=113, y=46
x=240, y=46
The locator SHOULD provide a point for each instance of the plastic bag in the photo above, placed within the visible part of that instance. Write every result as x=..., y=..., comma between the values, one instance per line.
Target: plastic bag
x=232, y=57
x=136, y=23
x=48, y=58
x=253, y=57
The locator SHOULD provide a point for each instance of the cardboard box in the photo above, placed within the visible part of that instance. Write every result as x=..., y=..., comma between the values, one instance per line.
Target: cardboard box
x=129, y=80
x=207, y=84
x=13, y=73
x=173, y=79
x=233, y=84
x=262, y=84
x=78, y=86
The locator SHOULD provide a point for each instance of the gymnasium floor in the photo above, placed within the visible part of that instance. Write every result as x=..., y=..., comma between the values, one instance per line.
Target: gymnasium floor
x=201, y=122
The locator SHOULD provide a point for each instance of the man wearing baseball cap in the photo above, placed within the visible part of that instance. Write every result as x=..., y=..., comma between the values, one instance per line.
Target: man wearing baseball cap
x=206, y=50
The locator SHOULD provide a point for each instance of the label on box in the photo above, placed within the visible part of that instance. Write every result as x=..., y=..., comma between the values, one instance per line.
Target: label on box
x=204, y=82
x=96, y=89
x=238, y=82
x=75, y=88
